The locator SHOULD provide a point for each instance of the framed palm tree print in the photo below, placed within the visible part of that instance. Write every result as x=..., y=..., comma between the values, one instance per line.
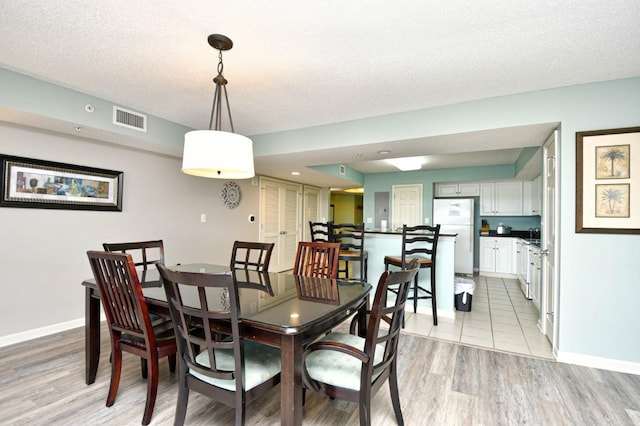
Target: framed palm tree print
x=608, y=181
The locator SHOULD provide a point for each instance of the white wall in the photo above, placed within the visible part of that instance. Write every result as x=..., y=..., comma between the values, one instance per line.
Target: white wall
x=43, y=252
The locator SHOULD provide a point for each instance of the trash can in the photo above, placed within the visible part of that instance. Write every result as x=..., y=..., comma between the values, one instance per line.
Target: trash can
x=463, y=291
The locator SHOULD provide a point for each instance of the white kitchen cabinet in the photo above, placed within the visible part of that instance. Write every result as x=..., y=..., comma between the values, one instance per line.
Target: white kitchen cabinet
x=501, y=198
x=497, y=255
x=535, y=274
x=469, y=189
x=532, y=197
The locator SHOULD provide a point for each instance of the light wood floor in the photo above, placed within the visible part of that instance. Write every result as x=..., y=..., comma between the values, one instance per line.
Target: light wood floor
x=442, y=383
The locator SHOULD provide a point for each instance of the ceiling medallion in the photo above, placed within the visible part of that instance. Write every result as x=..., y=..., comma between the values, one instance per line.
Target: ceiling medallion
x=231, y=195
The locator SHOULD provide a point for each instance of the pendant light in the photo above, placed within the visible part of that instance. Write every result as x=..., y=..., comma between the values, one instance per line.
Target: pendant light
x=215, y=153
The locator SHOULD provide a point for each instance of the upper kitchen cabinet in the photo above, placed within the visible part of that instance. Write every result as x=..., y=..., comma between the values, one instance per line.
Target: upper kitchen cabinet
x=532, y=197
x=501, y=198
x=469, y=189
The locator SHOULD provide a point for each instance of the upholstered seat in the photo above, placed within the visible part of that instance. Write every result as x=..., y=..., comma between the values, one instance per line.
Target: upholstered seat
x=352, y=368
x=261, y=363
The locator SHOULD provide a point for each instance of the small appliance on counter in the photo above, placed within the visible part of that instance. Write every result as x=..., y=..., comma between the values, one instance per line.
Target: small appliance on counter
x=503, y=230
x=484, y=230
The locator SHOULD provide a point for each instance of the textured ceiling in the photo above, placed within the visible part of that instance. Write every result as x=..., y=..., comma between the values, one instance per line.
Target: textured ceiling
x=297, y=64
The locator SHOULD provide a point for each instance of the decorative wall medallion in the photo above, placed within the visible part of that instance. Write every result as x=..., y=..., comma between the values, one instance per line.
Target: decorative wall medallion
x=231, y=195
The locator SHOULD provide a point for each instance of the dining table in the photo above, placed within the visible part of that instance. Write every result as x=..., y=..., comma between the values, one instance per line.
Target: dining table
x=282, y=310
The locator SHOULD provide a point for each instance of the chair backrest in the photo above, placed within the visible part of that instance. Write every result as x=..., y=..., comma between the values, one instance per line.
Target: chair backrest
x=349, y=235
x=320, y=231
x=317, y=259
x=143, y=253
x=121, y=295
x=190, y=304
x=251, y=255
x=392, y=315
x=420, y=241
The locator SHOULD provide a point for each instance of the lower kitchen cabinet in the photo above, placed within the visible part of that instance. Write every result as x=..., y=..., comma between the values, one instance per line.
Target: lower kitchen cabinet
x=497, y=255
x=535, y=274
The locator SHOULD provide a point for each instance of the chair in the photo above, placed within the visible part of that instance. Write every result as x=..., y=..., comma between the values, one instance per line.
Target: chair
x=129, y=323
x=251, y=255
x=232, y=370
x=316, y=259
x=351, y=239
x=150, y=252
x=320, y=231
x=419, y=242
x=144, y=254
x=352, y=368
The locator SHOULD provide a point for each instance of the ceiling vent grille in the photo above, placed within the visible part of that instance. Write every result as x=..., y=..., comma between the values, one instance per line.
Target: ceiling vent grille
x=131, y=119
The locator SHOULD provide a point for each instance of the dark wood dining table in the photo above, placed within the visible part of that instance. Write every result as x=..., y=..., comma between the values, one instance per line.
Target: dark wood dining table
x=286, y=311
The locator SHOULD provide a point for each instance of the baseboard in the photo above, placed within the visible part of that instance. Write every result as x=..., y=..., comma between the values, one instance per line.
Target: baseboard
x=12, y=339
x=600, y=363
x=426, y=310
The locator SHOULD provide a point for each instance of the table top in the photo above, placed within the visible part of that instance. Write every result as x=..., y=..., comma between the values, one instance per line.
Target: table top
x=285, y=301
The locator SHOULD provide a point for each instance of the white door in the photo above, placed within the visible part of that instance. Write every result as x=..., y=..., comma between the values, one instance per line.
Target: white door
x=407, y=205
x=280, y=221
x=549, y=240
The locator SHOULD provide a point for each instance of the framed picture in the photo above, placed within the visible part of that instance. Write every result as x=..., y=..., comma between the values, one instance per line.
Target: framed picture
x=31, y=183
x=608, y=181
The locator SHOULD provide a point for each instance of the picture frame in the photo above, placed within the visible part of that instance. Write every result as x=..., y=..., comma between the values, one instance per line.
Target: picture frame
x=33, y=183
x=608, y=181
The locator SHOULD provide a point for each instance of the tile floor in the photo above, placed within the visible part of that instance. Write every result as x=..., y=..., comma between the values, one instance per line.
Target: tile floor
x=501, y=318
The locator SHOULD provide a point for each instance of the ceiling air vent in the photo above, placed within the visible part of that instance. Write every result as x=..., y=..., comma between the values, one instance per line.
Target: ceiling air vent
x=131, y=119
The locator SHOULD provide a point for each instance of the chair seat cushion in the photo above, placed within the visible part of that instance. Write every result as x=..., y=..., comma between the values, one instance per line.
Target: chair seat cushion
x=336, y=368
x=261, y=363
x=397, y=260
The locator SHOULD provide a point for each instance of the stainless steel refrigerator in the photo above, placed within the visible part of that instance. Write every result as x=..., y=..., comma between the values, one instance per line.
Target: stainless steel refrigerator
x=455, y=216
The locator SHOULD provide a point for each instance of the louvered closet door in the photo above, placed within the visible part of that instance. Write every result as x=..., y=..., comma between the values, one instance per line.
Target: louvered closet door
x=281, y=218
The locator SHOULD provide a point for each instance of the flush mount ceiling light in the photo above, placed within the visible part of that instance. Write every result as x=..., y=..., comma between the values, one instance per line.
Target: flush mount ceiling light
x=215, y=153
x=407, y=163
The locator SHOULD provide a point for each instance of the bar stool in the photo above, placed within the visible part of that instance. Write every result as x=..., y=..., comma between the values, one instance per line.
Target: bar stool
x=351, y=239
x=418, y=242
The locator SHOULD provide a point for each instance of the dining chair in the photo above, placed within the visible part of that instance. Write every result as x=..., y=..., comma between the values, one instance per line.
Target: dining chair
x=144, y=255
x=320, y=232
x=317, y=259
x=349, y=367
x=351, y=239
x=233, y=370
x=130, y=326
x=419, y=242
x=251, y=255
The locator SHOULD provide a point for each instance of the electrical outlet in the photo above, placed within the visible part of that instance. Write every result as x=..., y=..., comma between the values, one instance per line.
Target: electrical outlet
x=369, y=220
x=426, y=220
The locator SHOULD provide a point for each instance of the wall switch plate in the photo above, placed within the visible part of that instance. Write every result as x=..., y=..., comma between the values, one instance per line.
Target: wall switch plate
x=203, y=217
x=369, y=220
x=426, y=220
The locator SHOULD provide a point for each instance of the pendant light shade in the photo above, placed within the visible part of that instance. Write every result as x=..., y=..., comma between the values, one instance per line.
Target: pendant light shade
x=215, y=153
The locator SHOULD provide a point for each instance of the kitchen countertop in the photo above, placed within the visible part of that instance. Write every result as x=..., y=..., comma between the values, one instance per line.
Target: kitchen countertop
x=524, y=235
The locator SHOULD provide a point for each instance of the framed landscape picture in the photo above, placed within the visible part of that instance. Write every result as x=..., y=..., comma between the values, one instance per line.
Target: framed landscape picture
x=32, y=183
x=608, y=181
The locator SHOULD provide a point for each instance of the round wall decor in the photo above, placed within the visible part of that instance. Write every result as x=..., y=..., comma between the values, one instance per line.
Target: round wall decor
x=231, y=195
